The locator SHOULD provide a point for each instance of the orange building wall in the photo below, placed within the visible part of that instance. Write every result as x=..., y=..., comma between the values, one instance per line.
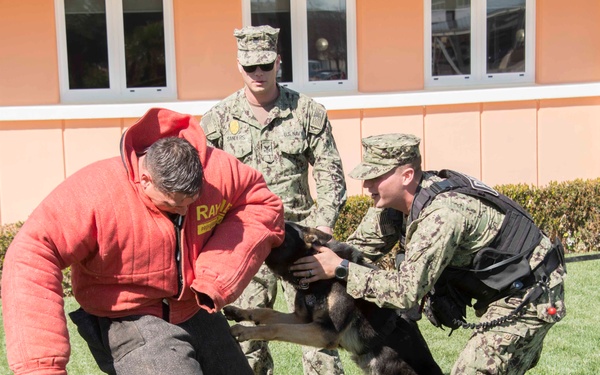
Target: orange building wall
x=509, y=143
x=28, y=57
x=31, y=165
x=569, y=139
x=390, y=45
x=452, y=138
x=346, y=132
x=530, y=142
x=86, y=141
x=206, y=50
x=568, y=41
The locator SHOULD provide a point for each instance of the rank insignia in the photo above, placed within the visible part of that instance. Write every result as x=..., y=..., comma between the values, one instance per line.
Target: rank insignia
x=234, y=127
x=267, y=151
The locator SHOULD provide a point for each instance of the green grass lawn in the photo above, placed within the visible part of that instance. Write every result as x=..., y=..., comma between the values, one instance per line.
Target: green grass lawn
x=571, y=347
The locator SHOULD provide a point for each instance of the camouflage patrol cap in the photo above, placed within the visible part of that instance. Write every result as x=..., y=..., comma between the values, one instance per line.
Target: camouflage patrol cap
x=256, y=45
x=382, y=153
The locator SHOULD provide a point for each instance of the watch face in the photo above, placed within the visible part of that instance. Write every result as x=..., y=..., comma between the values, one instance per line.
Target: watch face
x=341, y=271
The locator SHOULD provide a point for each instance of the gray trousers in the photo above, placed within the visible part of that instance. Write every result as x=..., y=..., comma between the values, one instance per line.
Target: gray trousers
x=145, y=344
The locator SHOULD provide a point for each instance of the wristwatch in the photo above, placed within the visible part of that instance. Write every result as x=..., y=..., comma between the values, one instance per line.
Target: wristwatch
x=341, y=271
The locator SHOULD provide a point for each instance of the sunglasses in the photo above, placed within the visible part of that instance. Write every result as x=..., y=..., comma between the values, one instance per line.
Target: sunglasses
x=263, y=67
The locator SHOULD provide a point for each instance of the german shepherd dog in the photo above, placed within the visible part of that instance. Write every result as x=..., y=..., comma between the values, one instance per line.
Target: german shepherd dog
x=325, y=316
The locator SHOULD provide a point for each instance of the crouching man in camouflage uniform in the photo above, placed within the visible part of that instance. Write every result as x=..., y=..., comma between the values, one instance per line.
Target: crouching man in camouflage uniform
x=280, y=133
x=464, y=241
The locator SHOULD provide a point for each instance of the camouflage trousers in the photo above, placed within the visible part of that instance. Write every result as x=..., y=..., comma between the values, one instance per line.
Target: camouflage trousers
x=513, y=347
x=262, y=292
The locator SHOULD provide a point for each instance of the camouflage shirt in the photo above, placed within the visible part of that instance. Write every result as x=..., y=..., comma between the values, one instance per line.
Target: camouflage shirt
x=297, y=134
x=449, y=231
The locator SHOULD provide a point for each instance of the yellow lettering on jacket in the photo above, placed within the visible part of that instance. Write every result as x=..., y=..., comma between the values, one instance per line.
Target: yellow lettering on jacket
x=207, y=227
x=211, y=215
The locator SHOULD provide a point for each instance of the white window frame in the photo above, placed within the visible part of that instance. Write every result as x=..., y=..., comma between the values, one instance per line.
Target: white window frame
x=118, y=91
x=478, y=74
x=300, y=59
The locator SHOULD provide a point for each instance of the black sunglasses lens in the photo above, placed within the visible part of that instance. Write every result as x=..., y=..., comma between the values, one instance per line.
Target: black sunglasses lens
x=263, y=67
x=267, y=67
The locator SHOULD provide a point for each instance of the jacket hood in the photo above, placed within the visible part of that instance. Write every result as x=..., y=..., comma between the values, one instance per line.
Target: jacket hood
x=159, y=123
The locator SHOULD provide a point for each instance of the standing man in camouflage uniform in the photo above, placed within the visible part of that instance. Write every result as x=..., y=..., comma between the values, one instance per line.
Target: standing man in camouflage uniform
x=459, y=247
x=280, y=133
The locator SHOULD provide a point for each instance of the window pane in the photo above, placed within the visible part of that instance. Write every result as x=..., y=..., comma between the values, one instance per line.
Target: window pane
x=144, y=43
x=327, y=40
x=450, y=37
x=505, y=36
x=87, y=51
x=276, y=13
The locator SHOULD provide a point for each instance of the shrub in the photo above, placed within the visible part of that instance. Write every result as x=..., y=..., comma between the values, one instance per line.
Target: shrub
x=7, y=234
x=350, y=216
x=568, y=210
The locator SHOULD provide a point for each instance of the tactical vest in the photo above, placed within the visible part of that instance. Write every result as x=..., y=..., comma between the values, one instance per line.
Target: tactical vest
x=495, y=268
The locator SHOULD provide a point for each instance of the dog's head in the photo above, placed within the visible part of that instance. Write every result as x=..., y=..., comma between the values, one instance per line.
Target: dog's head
x=297, y=244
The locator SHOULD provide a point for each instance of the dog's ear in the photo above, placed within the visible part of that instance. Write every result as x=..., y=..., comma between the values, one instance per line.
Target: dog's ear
x=308, y=234
x=315, y=236
x=291, y=226
x=299, y=231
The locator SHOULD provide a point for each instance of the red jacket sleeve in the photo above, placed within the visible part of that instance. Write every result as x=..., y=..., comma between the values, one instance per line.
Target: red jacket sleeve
x=244, y=238
x=58, y=232
x=37, y=340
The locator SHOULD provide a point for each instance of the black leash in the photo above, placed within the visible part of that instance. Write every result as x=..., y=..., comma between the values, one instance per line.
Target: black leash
x=533, y=294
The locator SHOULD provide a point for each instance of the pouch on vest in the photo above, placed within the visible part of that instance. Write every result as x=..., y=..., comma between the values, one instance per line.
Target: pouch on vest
x=498, y=270
x=446, y=310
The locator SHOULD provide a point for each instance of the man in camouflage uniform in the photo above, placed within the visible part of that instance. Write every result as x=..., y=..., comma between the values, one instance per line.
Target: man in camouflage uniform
x=280, y=133
x=445, y=237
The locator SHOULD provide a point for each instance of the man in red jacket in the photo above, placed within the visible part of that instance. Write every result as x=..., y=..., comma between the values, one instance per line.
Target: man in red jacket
x=158, y=241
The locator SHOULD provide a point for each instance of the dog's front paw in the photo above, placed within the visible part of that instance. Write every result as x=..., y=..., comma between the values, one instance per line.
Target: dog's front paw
x=240, y=332
x=234, y=313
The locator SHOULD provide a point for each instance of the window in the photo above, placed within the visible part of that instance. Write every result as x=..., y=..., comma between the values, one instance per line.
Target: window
x=316, y=41
x=115, y=50
x=479, y=42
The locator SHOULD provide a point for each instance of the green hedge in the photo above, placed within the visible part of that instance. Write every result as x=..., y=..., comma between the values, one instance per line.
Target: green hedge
x=351, y=215
x=569, y=210
x=7, y=233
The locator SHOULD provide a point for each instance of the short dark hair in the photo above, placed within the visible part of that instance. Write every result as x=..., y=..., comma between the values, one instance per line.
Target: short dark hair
x=414, y=163
x=174, y=165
